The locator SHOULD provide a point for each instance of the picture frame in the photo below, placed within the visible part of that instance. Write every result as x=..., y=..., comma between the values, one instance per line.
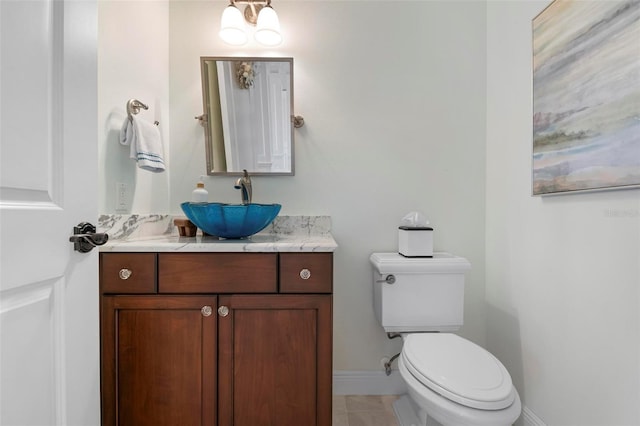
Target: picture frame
x=586, y=96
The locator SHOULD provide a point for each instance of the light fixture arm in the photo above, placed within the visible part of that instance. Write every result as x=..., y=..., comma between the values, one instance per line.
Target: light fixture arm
x=262, y=2
x=252, y=9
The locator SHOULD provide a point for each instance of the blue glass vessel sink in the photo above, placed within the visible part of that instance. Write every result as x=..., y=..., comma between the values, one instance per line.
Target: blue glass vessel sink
x=231, y=220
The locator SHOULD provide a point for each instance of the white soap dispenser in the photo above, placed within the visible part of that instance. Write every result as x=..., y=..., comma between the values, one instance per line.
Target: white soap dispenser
x=200, y=195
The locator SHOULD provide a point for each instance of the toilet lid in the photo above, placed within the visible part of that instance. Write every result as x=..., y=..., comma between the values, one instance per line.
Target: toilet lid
x=459, y=370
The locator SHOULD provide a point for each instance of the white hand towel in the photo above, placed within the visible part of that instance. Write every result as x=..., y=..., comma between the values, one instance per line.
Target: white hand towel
x=146, y=145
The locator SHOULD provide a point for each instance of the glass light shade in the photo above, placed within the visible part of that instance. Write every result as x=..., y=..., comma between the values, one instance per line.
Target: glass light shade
x=268, y=27
x=232, y=26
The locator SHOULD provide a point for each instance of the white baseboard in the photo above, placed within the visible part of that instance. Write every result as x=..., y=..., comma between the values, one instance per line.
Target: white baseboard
x=367, y=383
x=529, y=418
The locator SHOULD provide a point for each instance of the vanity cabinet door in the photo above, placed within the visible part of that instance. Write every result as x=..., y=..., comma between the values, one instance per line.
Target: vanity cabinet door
x=159, y=360
x=275, y=354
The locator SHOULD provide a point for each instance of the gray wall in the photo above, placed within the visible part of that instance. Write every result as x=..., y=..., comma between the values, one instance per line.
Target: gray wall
x=393, y=96
x=417, y=105
x=563, y=272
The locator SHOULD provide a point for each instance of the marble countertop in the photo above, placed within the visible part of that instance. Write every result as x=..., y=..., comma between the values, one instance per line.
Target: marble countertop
x=155, y=233
x=255, y=243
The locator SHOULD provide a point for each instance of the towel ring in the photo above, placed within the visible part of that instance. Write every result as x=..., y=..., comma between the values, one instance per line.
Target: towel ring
x=133, y=107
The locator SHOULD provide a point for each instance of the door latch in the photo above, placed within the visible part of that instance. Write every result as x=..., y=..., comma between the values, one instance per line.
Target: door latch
x=85, y=237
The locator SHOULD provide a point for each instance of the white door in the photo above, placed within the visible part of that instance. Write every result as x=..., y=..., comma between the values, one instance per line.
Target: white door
x=49, y=335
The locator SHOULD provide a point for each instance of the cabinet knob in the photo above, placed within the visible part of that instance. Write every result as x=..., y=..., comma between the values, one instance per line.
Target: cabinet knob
x=305, y=274
x=206, y=311
x=223, y=311
x=125, y=273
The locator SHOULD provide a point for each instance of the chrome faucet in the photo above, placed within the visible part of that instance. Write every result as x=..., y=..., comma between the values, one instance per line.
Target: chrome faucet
x=244, y=185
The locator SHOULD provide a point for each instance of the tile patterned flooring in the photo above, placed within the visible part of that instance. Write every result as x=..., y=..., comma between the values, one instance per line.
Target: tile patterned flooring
x=364, y=410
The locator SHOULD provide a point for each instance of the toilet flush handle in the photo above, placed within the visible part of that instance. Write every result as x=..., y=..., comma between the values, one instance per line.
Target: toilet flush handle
x=390, y=279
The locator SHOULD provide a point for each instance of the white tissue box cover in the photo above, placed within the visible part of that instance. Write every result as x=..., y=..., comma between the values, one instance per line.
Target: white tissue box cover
x=415, y=242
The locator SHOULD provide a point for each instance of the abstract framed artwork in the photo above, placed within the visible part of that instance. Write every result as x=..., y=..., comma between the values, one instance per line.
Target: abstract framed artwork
x=586, y=96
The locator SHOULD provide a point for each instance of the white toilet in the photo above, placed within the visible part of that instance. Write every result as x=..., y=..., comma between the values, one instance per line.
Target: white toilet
x=450, y=380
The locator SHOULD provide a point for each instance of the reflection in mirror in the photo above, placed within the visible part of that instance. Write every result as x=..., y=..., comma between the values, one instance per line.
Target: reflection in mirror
x=247, y=115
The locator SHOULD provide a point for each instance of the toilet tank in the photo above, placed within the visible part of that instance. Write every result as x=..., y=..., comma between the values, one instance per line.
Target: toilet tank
x=427, y=295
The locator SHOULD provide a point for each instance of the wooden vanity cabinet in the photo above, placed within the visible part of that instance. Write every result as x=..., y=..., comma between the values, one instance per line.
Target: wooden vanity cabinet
x=209, y=355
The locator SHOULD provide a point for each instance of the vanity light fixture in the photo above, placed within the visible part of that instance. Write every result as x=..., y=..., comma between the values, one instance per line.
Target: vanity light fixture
x=231, y=26
x=258, y=13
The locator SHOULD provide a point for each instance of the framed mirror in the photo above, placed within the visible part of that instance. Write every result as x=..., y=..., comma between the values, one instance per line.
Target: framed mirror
x=248, y=104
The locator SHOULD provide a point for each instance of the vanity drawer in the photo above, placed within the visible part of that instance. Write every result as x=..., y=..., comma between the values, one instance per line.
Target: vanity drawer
x=306, y=272
x=128, y=272
x=217, y=272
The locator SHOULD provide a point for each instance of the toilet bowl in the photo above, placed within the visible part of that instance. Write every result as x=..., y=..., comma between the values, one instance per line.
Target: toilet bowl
x=450, y=380
x=454, y=382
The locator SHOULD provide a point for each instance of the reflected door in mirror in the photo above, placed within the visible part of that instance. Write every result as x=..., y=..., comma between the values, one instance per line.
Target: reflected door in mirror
x=248, y=103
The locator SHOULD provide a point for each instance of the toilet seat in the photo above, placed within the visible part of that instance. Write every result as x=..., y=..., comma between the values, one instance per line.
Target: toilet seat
x=459, y=370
